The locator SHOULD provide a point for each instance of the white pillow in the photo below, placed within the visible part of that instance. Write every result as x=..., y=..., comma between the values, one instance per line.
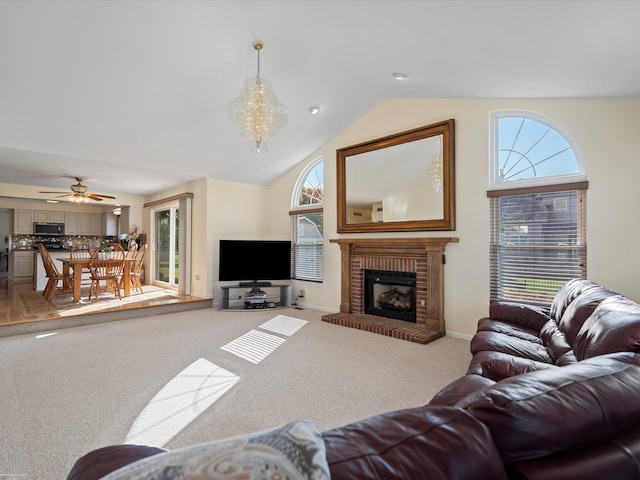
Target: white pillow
x=294, y=450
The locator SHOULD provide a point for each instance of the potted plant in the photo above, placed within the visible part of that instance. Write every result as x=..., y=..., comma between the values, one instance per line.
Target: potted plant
x=104, y=253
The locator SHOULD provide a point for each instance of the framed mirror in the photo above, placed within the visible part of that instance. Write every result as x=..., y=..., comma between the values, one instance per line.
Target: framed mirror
x=402, y=182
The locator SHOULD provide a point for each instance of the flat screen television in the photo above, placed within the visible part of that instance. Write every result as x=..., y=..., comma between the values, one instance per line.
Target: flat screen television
x=254, y=262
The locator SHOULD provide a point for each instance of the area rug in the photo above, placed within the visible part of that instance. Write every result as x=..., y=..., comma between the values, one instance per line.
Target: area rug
x=34, y=303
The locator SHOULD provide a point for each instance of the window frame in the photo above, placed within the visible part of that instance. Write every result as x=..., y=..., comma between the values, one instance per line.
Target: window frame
x=296, y=211
x=571, y=182
x=494, y=167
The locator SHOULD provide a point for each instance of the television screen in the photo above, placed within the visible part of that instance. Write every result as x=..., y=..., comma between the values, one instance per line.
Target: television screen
x=254, y=260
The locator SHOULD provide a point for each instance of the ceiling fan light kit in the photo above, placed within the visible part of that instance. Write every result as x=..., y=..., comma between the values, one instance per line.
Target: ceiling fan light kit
x=79, y=193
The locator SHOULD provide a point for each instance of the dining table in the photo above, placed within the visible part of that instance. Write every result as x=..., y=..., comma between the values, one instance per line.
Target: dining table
x=76, y=265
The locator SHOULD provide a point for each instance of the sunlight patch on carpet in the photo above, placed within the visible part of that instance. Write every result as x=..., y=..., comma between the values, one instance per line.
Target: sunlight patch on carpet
x=180, y=401
x=253, y=346
x=284, y=325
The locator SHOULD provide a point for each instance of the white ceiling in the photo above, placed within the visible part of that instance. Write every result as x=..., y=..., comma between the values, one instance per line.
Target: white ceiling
x=134, y=95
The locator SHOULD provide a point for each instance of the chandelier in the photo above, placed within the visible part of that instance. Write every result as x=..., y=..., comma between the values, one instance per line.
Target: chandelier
x=435, y=170
x=256, y=112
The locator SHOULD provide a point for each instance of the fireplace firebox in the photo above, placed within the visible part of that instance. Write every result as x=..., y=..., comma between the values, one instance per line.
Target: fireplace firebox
x=390, y=294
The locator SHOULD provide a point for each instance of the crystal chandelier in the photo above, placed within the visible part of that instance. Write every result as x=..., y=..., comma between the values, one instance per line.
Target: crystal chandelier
x=256, y=112
x=435, y=170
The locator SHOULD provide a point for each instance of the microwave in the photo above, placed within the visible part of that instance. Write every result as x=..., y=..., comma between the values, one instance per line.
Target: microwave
x=48, y=228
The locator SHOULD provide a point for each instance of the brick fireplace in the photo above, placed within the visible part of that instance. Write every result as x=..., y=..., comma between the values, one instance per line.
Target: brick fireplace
x=424, y=256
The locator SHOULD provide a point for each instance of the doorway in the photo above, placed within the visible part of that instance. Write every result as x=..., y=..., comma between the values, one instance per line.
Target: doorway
x=167, y=234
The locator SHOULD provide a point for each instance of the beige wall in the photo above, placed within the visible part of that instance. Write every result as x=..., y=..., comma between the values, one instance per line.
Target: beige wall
x=605, y=132
x=220, y=210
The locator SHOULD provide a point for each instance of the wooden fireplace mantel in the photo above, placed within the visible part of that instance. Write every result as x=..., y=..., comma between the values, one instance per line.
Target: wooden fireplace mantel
x=426, y=251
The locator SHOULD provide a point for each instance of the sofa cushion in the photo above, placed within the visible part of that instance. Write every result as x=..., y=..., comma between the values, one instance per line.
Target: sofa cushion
x=499, y=368
x=508, y=328
x=580, y=309
x=614, y=326
x=614, y=459
x=424, y=442
x=499, y=342
x=293, y=450
x=554, y=340
x=559, y=409
x=460, y=388
x=529, y=316
x=567, y=294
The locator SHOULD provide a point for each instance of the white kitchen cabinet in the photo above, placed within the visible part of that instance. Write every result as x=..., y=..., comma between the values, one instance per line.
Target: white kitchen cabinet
x=22, y=264
x=48, y=216
x=23, y=222
x=56, y=217
x=84, y=224
x=41, y=216
x=71, y=223
x=109, y=224
x=95, y=224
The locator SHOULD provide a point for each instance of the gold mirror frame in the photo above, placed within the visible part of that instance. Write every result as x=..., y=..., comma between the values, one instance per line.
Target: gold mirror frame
x=443, y=222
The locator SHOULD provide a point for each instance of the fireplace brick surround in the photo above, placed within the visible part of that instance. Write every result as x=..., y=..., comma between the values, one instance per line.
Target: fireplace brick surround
x=424, y=256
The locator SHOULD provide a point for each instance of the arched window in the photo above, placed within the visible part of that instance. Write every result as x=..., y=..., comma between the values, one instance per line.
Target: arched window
x=307, y=223
x=530, y=149
x=538, y=208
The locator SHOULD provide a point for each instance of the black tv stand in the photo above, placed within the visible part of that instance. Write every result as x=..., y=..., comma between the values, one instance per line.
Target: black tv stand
x=254, y=285
x=236, y=297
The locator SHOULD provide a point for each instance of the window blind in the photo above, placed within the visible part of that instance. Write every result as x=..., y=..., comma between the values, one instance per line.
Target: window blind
x=538, y=242
x=306, y=232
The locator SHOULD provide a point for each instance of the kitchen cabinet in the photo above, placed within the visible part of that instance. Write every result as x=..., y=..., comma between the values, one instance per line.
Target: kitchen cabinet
x=22, y=264
x=23, y=222
x=83, y=223
x=95, y=224
x=71, y=223
x=48, y=216
x=41, y=216
x=109, y=224
x=56, y=217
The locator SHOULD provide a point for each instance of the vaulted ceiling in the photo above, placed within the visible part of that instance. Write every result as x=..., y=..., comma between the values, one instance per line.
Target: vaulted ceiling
x=134, y=95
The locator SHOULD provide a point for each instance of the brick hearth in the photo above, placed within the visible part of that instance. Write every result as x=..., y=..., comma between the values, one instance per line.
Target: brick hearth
x=423, y=256
x=412, y=332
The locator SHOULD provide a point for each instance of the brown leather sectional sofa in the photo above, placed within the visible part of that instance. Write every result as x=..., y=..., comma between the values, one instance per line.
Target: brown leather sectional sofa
x=549, y=394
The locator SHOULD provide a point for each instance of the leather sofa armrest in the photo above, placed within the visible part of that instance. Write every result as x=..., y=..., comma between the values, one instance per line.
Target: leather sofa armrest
x=439, y=443
x=102, y=461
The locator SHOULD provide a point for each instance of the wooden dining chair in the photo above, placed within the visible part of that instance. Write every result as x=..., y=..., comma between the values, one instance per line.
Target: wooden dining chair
x=136, y=268
x=54, y=276
x=132, y=252
x=108, y=270
x=82, y=251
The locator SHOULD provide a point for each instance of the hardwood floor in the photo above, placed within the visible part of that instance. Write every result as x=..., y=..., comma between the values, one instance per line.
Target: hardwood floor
x=20, y=304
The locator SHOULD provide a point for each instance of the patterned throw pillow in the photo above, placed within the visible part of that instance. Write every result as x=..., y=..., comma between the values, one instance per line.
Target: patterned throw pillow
x=292, y=451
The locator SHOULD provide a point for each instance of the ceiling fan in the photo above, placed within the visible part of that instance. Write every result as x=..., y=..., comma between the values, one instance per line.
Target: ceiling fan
x=79, y=193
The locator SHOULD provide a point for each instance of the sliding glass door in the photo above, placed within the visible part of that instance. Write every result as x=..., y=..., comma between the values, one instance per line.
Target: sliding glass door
x=167, y=228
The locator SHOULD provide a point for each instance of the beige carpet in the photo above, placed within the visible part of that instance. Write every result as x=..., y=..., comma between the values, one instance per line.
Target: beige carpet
x=65, y=392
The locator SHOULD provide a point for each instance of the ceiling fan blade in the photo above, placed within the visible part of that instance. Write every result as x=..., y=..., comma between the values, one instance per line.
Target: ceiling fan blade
x=93, y=197
x=103, y=196
x=66, y=193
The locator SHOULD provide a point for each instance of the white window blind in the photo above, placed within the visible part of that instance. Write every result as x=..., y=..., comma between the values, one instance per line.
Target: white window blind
x=538, y=241
x=306, y=232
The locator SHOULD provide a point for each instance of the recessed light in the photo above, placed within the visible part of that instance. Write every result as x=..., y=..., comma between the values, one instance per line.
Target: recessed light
x=314, y=110
x=399, y=76
x=52, y=201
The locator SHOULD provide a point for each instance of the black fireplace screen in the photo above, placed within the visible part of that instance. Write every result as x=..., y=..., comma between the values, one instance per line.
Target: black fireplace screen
x=390, y=294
